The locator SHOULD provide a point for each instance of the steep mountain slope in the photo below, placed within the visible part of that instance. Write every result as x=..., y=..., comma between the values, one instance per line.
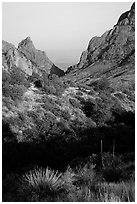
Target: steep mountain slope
x=27, y=58
x=110, y=56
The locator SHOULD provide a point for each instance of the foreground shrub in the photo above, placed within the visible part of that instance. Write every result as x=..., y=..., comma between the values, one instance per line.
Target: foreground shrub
x=86, y=176
x=41, y=184
x=114, y=169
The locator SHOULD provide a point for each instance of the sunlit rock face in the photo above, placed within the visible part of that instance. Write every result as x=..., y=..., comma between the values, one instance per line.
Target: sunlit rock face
x=113, y=49
x=12, y=57
x=28, y=58
x=38, y=58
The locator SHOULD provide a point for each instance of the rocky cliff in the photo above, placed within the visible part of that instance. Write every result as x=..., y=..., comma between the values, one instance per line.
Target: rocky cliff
x=109, y=55
x=27, y=58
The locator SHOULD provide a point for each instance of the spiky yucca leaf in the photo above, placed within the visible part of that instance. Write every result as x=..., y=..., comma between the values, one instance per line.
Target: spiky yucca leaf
x=44, y=179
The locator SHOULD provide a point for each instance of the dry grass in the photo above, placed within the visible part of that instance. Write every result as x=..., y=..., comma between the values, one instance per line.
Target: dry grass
x=116, y=192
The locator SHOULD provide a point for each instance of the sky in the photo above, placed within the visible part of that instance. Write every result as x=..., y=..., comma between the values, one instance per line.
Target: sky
x=59, y=27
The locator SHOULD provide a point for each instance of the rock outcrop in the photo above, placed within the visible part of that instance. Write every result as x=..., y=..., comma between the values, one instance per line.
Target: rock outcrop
x=113, y=49
x=28, y=58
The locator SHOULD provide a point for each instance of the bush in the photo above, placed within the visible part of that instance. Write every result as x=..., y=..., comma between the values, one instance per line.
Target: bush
x=99, y=111
x=17, y=92
x=101, y=84
x=75, y=103
x=39, y=184
x=49, y=89
x=18, y=77
x=34, y=77
x=5, y=77
x=114, y=169
x=86, y=176
x=14, y=91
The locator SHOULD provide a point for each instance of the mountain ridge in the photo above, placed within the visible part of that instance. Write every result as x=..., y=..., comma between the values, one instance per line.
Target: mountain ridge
x=28, y=58
x=111, y=49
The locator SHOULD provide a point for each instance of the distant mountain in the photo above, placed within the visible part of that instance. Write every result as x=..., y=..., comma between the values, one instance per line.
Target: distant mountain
x=111, y=56
x=64, y=58
x=28, y=58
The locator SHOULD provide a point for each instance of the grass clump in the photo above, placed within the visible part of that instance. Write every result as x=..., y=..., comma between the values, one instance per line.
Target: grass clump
x=116, y=192
x=41, y=184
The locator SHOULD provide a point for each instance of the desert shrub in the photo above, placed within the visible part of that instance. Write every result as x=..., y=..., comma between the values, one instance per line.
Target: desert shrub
x=58, y=84
x=69, y=179
x=103, y=110
x=114, y=169
x=75, y=103
x=68, y=83
x=59, y=88
x=98, y=110
x=86, y=176
x=65, y=115
x=18, y=77
x=49, y=89
x=17, y=92
x=34, y=77
x=5, y=77
x=8, y=102
x=48, y=127
x=101, y=84
x=40, y=184
x=14, y=91
x=52, y=84
x=45, y=78
x=88, y=107
x=6, y=90
x=81, y=194
x=92, y=92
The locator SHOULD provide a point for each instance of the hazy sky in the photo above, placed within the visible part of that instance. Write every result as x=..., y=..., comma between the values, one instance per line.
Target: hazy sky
x=56, y=26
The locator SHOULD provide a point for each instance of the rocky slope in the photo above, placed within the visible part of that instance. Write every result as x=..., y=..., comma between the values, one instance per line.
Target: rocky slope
x=111, y=55
x=27, y=58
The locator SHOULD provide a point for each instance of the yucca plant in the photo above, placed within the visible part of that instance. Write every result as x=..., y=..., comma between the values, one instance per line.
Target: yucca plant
x=42, y=183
